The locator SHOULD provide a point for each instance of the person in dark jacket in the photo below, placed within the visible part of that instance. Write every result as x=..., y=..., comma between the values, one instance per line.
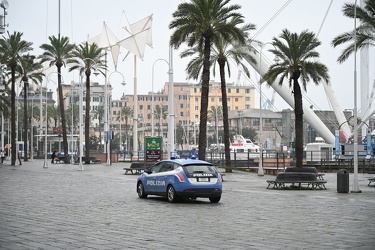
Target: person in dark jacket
x=53, y=157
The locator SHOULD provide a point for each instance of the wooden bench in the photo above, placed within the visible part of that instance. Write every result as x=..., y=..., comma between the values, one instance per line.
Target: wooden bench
x=60, y=159
x=90, y=159
x=138, y=167
x=371, y=180
x=297, y=178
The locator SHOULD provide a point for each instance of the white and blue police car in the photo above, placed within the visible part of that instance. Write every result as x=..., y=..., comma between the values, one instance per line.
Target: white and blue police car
x=178, y=179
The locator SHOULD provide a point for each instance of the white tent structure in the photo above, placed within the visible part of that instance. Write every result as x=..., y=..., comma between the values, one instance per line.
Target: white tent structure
x=141, y=35
x=107, y=40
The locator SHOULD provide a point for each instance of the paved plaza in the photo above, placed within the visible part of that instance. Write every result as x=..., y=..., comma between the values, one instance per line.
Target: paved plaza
x=98, y=208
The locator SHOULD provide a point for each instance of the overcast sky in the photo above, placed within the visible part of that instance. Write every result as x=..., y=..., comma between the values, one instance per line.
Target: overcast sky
x=83, y=18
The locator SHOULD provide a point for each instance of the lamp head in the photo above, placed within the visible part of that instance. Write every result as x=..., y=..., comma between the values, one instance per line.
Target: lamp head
x=4, y=4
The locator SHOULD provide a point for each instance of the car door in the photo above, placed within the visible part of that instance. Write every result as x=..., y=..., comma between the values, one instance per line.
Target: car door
x=150, y=180
x=162, y=176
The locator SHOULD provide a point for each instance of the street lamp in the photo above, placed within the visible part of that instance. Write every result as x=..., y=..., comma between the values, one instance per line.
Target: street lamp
x=260, y=169
x=32, y=127
x=355, y=187
x=106, y=110
x=152, y=95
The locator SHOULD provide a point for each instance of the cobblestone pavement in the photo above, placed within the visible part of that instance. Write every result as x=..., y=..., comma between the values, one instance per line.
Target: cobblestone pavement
x=98, y=208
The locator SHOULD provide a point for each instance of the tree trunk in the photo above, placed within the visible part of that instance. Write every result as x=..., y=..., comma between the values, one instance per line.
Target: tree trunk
x=13, y=116
x=62, y=114
x=25, y=120
x=298, y=112
x=204, y=100
x=228, y=165
x=100, y=131
x=87, y=118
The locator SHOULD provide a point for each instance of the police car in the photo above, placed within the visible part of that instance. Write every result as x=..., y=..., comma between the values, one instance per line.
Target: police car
x=178, y=179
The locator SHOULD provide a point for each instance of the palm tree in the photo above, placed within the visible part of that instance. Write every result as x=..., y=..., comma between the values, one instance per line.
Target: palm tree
x=57, y=52
x=160, y=113
x=54, y=114
x=28, y=69
x=222, y=52
x=127, y=112
x=72, y=112
x=87, y=58
x=364, y=33
x=297, y=53
x=198, y=23
x=4, y=98
x=11, y=50
x=99, y=114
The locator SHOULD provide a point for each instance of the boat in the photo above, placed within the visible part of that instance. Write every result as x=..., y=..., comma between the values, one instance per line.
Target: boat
x=242, y=144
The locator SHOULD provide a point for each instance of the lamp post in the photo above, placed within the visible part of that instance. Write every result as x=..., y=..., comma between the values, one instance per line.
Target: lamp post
x=32, y=128
x=71, y=132
x=355, y=187
x=106, y=110
x=80, y=166
x=152, y=95
x=260, y=169
x=45, y=165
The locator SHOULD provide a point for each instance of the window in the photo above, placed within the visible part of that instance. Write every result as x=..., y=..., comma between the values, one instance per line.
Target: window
x=247, y=99
x=229, y=90
x=181, y=105
x=181, y=114
x=237, y=91
x=196, y=107
x=141, y=107
x=236, y=99
x=247, y=91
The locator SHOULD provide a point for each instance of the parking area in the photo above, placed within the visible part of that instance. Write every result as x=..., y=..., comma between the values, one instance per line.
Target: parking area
x=98, y=208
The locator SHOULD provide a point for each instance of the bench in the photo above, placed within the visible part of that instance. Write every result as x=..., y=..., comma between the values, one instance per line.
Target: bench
x=60, y=159
x=371, y=180
x=90, y=159
x=138, y=167
x=297, y=178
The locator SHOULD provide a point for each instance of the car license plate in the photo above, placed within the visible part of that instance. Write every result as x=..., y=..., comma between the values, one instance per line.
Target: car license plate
x=203, y=180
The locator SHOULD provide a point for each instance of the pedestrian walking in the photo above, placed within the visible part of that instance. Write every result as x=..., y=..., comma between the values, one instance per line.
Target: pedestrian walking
x=53, y=157
x=2, y=155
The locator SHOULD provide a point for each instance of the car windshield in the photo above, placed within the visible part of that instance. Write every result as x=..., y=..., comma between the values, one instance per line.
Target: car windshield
x=200, y=169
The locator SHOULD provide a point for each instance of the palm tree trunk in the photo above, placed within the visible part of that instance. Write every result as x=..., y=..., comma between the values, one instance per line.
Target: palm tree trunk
x=25, y=120
x=204, y=100
x=87, y=117
x=298, y=112
x=13, y=116
x=100, y=131
x=62, y=114
x=228, y=165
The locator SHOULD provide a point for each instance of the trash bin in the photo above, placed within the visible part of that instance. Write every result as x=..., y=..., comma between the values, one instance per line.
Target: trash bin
x=342, y=181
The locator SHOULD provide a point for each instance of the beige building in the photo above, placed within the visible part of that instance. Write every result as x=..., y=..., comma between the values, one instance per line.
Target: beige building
x=187, y=102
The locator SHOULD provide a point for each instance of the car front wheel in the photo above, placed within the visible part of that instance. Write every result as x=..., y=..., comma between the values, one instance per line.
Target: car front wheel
x=141, y=190
x=171, y=194
x=215, y=199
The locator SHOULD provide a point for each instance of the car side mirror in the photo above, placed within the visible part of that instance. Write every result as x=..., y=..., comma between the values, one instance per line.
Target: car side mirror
x=148, y=170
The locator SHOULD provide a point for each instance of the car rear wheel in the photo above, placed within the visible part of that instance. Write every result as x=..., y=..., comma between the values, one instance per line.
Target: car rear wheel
x=215, y=199
x=171, y=194
x=141, y=190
